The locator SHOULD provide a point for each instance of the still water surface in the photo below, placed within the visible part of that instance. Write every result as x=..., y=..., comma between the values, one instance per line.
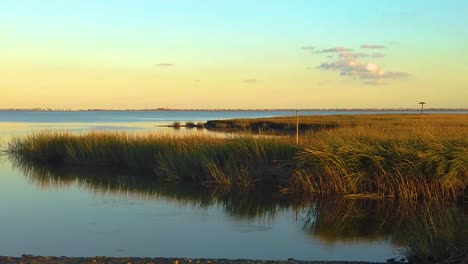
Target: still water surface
x=71, y=212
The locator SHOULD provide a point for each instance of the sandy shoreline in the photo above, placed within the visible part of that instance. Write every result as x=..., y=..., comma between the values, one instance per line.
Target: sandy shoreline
x=29, y=259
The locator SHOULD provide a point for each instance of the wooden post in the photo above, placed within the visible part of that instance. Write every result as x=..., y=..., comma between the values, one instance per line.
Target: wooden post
x=297, y=126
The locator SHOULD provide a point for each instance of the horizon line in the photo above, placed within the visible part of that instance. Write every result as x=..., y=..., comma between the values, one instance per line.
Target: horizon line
x=236, y=109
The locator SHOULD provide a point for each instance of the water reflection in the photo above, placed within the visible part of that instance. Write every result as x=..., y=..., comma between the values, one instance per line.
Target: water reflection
x=145, y=186
x=427, y=231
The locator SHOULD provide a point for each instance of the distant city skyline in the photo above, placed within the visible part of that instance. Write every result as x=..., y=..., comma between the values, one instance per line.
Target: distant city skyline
x=122, y=54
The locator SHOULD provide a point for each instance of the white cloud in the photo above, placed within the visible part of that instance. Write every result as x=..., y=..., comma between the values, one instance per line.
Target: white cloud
x=364, y=71
x=348, y=63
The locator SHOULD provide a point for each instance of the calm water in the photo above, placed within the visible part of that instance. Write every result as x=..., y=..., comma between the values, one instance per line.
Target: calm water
x=58, y=211
x=167, y=116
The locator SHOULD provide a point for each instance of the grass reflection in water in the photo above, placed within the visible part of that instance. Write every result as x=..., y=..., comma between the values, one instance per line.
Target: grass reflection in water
x=429, y=232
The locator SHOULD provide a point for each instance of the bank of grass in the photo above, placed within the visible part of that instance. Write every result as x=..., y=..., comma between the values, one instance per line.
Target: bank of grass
x=403, y=162
x=236, y=161
x=315, y=123
x=406, y=163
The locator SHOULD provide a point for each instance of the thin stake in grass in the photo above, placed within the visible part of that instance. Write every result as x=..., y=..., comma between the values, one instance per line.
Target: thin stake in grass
x=297, y=126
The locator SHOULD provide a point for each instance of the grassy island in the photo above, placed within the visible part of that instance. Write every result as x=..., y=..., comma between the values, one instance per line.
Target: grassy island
x=402, y=157
x=287, y=124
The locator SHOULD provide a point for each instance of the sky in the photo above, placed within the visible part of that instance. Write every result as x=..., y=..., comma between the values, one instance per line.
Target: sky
x=122, y=54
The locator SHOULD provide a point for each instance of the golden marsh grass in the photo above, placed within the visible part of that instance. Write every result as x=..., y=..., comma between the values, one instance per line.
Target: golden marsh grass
x=406, y=161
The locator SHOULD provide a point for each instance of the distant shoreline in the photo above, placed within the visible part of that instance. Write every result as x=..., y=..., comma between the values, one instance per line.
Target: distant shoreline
x=226, y=110
x=143, y=260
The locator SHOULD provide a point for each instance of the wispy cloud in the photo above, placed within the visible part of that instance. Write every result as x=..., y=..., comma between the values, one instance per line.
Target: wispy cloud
x=336, y=49
x=371, y=46
x=308, y=47
x=164, y=64
x=250, y=81
x=355, y=55
x=350, y=55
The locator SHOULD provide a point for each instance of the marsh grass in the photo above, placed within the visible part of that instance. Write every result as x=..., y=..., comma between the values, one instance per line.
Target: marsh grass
x=400, y=121
x=234, y=161
x=430, y=163
x=409, y=166
x=287, y=125
x=411, y=161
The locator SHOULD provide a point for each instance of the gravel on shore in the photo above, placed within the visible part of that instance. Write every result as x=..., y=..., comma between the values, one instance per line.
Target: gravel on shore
x=29, y=259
